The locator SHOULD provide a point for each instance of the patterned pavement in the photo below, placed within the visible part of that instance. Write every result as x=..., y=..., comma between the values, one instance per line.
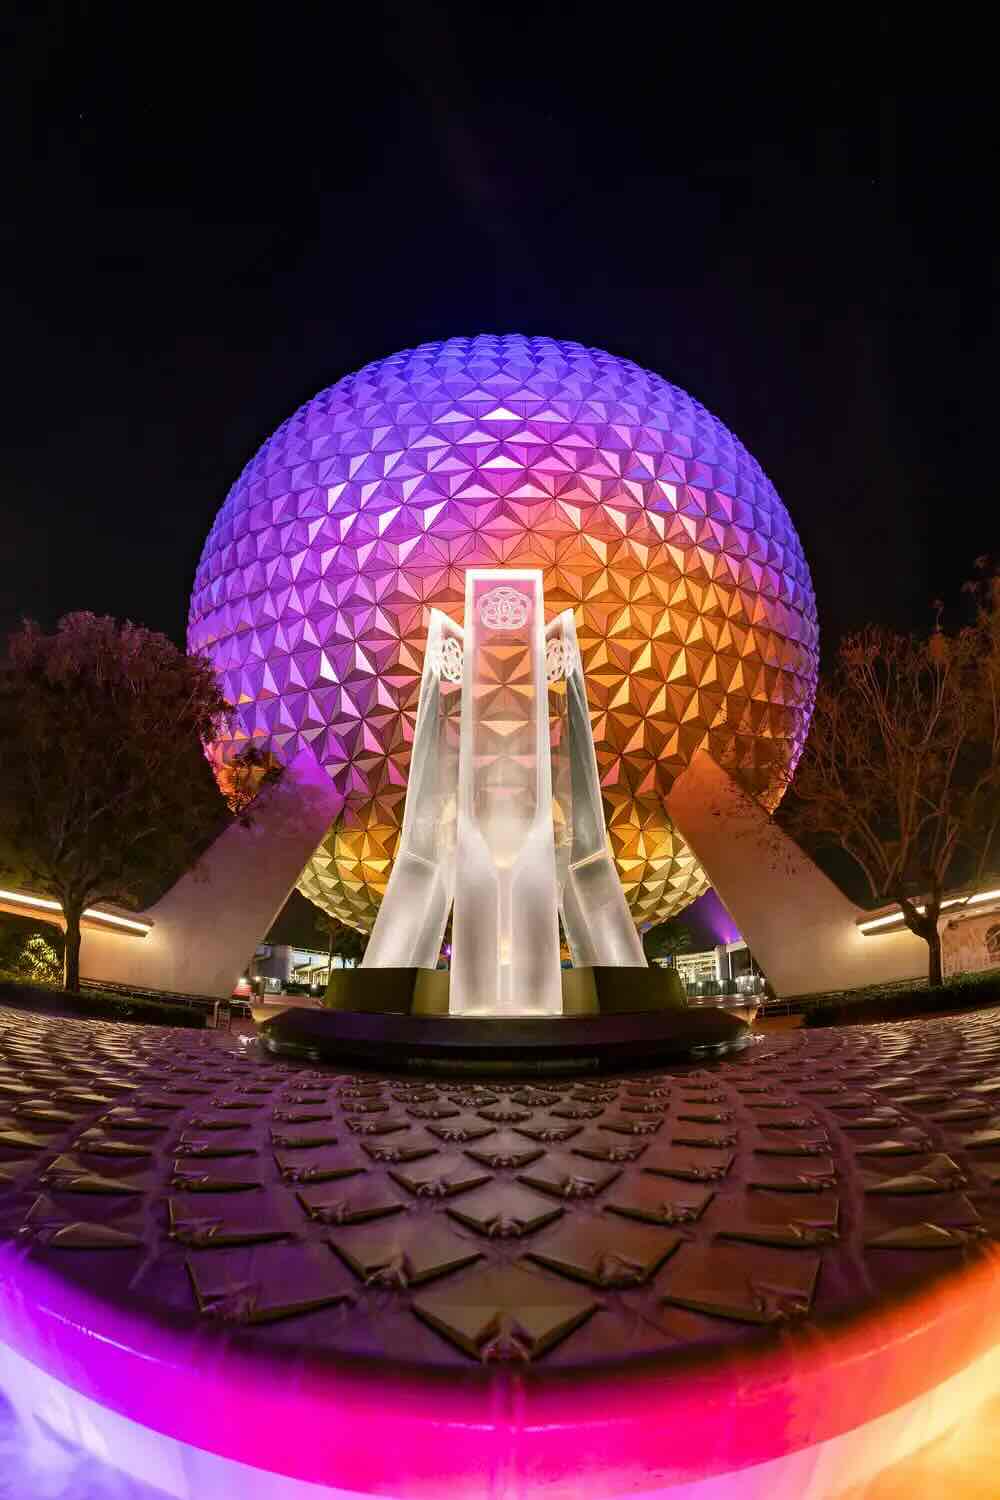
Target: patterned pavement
x=569, y=1222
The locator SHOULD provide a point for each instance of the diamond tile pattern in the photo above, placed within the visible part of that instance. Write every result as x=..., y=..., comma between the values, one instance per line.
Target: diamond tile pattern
x=500, y=1244
x=694, y=607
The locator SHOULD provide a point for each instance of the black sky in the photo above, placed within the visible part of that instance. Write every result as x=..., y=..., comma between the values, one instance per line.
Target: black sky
x=210, y=212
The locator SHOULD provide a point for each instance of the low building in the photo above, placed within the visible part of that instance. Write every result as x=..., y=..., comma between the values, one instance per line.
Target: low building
x=293, y=953
x=723, y=969
x=275, y=966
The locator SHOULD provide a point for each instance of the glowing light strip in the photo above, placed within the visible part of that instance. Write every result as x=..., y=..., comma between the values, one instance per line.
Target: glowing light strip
x=897, y=916
x=860, y=1456
x=872, y=1448
x=980, y=896
x=91, y=911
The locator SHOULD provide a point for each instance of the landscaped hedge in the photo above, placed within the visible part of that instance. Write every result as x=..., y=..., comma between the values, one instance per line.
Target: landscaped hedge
x=882, y=1002
x=101, y=1004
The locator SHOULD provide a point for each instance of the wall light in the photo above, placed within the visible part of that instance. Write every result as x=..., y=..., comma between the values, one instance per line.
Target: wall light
x=896, y=917
x=21, y=898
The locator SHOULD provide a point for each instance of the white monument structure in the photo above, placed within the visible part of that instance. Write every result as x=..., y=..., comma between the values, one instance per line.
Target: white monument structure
x=503, y=818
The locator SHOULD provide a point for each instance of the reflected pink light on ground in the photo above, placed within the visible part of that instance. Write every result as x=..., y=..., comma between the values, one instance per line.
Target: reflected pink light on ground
x=800, y=1420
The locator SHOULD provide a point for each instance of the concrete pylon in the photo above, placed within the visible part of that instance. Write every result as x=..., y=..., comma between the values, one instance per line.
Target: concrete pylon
x=209, y=922
x=800, y=928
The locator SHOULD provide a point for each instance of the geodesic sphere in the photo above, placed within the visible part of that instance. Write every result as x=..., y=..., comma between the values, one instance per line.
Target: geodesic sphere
x=693, y=602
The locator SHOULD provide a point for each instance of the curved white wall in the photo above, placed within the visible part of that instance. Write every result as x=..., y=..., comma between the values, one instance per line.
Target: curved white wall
x=208, y=924
x=801, y=929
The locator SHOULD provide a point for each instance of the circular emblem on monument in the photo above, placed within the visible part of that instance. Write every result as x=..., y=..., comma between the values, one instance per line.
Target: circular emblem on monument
x=504, y=608
x=560, y=659
x=449, y=659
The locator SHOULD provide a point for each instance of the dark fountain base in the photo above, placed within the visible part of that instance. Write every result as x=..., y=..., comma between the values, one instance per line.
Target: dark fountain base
x=624, y=1018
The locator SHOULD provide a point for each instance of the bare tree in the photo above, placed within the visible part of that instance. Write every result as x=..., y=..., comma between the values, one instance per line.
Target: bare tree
x=901, y=768
x=104, y=785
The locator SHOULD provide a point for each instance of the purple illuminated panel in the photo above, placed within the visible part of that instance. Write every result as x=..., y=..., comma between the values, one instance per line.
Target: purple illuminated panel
x=710, y=922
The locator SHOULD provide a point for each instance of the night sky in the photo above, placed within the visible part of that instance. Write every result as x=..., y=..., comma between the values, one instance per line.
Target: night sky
x=211, y=212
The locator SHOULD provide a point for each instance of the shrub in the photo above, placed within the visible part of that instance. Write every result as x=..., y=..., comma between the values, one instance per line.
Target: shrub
x=34, y=958
x=99, y=1004
x=30, y=949
x=884, y=1002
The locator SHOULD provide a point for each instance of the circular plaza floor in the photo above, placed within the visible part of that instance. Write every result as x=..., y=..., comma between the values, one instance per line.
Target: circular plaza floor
x=776, y=1275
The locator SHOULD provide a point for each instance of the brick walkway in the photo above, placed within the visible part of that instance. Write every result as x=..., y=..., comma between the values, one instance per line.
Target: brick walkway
x=567, y=1222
